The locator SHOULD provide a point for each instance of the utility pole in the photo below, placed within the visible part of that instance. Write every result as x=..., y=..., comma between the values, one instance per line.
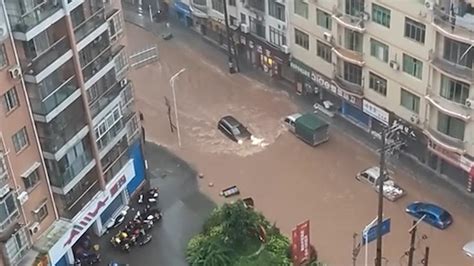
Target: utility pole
x=427, y=255
x=411, y=251
x=355, y=249
x=378, y=258
x=229, y=40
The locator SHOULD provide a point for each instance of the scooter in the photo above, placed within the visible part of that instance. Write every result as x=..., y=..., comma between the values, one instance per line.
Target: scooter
x=144, y=239
x=118, y=220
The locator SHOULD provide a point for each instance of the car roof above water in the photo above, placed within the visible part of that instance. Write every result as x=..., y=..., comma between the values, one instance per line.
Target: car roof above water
x=231, y=120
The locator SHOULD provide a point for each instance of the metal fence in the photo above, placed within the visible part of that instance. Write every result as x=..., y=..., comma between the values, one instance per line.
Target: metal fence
x=144, y=57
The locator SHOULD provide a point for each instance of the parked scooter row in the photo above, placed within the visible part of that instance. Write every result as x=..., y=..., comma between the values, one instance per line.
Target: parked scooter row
x=149, y=197
x=137, y=231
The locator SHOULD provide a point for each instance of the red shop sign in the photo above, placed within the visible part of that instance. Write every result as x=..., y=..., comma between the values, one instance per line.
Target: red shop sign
x=300, y=243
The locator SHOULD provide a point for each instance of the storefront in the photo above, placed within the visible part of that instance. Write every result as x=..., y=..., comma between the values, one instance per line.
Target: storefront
x=184, y=14
x=415, y=141
x=263, y=56
x=310, y=82
x=92, y=217
x=200, y=20
x=214, y=28
x=451, y=164
x=379, y=117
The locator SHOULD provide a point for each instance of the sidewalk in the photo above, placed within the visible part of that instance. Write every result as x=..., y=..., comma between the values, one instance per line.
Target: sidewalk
x=422, y=173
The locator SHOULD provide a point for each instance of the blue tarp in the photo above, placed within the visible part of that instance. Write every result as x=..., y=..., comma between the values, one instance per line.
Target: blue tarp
x=183, y=8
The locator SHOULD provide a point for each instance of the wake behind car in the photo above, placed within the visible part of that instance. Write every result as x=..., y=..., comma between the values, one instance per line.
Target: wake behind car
x=233, y=129
x=434, y=214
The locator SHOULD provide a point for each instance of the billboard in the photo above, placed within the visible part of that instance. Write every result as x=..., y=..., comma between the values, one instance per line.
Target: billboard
x=300, y=243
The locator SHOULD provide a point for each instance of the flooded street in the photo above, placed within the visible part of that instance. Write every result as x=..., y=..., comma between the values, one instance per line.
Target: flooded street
x=289, y=180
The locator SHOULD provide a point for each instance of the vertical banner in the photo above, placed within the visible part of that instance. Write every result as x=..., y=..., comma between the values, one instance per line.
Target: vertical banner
x=301, y=243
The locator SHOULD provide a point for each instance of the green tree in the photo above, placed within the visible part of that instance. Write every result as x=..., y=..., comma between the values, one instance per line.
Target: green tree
x=208, y=251
x=239, y=223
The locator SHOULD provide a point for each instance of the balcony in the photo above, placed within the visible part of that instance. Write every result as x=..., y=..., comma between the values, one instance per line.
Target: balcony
x=257, y=6
x=455, y=70
x=26, y=26
x=354, y=22
x=451, y=143
x=94, y=24
x=460, y=28
x=117, y=165
x=449, y=107
x=97, y=64
x=349, y=86
x=83, y=163
x=9, y=216
x=115, y=133
x=92, y=51
x=349, y=55
x=106, y=98
x=57, y=101
x=3, y=170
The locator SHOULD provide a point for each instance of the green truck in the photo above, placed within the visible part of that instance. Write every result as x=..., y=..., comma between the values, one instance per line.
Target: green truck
x=308, y=127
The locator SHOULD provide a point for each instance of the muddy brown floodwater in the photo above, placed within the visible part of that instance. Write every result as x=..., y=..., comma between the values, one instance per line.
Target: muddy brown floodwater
x=289, y=180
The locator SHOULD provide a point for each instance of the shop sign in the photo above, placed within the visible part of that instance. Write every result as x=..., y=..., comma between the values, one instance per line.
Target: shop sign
x=399, y=126
x=450, y=156
x=99, y=203
x=300, y=243
x=375, y=112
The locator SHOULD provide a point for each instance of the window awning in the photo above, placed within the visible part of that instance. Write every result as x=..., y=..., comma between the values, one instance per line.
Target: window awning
x=31, y=170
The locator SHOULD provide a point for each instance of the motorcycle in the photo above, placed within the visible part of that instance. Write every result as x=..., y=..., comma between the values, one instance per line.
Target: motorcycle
x=144, y=239
x=122, y=240
x=118, y=220
x=149, y=197
x=89, y=258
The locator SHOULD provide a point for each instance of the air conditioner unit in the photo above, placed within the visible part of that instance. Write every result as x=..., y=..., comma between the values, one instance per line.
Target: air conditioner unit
x=394, y=65
x=15, y=72
x=327, y=36
x=285, y=49
x=415, y=119
x=244, y=28
x=22, y=197
x=429, y=4
x=34, y=228
x=4, y=190
x=123, y=82
x=469, y=103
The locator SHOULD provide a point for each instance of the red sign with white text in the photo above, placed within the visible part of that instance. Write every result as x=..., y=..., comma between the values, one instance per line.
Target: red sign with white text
x=300, y=243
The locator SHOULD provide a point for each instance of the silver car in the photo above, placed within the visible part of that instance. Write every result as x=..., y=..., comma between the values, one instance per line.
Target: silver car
x=469, y=249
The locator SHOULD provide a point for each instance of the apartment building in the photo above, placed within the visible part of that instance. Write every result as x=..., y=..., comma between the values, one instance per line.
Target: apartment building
x=381, y=63
x=259, y=29
x=78, y=105
x=26, y=203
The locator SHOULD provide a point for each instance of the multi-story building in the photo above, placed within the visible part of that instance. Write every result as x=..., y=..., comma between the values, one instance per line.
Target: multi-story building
x=381, y=62
x=259, y=29
x=26, y=202
x=78, y=103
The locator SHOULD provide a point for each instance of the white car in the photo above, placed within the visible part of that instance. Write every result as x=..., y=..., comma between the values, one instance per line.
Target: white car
x=469, y=249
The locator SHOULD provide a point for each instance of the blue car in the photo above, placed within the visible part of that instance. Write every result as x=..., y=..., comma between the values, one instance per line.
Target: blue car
x=434, y=215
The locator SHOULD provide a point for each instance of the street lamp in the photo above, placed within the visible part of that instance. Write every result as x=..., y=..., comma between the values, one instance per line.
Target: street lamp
x=171, y=81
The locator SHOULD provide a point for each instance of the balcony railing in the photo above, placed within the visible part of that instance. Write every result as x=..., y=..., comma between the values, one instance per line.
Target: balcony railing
x=356, y=23
x=116, y=166
x=459, y=26
x=75, y=204
x=62, y=179
x=447, y=140
x=89, y=25
x=97, y=64
x=111, y=134
x=26, y=22
x=50, y=102
x=58, y=136
x=349, y=86
x=93, y=50
x=45, y=59
x=453, y=69
x=349, y=55
x=105, y=99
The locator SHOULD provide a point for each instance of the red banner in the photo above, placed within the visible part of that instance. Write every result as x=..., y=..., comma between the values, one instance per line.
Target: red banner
x=300, y=243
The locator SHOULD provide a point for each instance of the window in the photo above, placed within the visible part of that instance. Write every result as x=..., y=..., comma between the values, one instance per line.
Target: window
x=458, y=52
x=218, y=5
x=379, y=50
x=323, y=19
x=301, y=8
x=16, y=246
x=231, y=2
x=41, y=213
x=353, y=40
x=10, y=99
x=257, y=4
x=277, y=37
x=354, y=7
x=415, y=30
x=257, y=27
x=20, y=140
x=377, y=83
x=7, y=209
x=410, y=101
x=352, y=73
x=302, y=39
x=381, y=15
x=31, y=180
x=233, y=21
x=324, y=51
x=454, y=90
x=412, y=66
x=3, y=56
x=451, y=126
x=243, y=18
x=276, y=10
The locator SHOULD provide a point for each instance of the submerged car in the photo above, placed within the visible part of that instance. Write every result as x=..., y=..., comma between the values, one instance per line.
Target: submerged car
x=434, y=214
x=233, y=129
